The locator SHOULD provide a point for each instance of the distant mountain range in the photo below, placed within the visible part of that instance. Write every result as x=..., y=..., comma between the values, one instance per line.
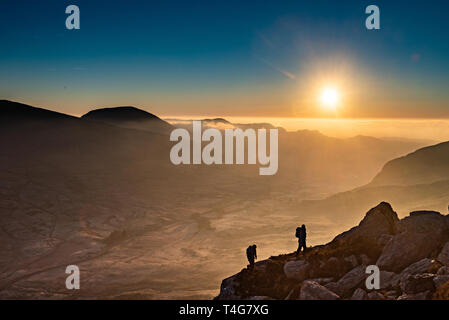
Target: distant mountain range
x=101, y=188
x=306, y=157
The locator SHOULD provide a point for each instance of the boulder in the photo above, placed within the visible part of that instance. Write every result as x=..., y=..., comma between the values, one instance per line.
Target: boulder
x=297, y=270
x=388, y=279
x=379, y=221
x=350, y=281
x=418, y=236
x=420, y=266
x=311, y=290
x=359, y=294
x=418, y=283
x=443, y=257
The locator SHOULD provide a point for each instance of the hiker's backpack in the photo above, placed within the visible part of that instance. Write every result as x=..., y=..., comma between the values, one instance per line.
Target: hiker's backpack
x=298, y=232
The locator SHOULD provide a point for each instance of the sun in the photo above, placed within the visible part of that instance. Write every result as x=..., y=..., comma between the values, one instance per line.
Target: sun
x=330, y=98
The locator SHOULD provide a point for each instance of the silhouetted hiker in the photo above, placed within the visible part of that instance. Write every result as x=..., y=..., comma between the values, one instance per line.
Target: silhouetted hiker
x=301, y=234
x=251, y=254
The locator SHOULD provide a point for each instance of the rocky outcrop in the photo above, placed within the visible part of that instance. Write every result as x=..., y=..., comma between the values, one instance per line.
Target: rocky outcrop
x=412, y=255
x=420, y=235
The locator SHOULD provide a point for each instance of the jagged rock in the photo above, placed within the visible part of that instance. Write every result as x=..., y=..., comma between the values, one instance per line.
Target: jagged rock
x=374, y=295
x=420, y=266
x=419, y=296
x=388, y=279
x=443, y=257
x=440, y=280
x=418, y=236
x=297, y=270
x=418, y=283
x=350, y=281
x=359, y=294
x=311, y=290
x=379, y=221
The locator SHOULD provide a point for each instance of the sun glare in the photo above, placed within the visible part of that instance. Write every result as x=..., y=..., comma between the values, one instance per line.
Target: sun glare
x=330, y=98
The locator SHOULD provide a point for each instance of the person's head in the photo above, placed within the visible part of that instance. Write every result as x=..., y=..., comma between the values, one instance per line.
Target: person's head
x=303, y=226
x=254, y=246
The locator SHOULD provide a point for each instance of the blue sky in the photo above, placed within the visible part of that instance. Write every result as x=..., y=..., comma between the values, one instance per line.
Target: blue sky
x=243, y=58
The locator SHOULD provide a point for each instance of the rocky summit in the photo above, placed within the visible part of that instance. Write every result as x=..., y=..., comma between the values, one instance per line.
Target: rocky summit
x=412, y=255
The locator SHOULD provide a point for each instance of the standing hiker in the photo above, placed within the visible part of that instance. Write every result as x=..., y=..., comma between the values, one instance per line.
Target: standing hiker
x=301, y=234
x=251, y=254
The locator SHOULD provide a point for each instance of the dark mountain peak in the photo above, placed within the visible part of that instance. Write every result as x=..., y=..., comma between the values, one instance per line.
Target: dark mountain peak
x=130, y=117
x=124, y=113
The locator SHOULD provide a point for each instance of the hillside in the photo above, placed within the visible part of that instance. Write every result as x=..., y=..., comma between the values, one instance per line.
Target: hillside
x=412, y=255
x=426, y=165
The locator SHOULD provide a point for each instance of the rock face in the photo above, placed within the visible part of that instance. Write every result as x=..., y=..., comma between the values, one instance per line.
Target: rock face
x=412, y=255
x=312, y=290
x=418, y=236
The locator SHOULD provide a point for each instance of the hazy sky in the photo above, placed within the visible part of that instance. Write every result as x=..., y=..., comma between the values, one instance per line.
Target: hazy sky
x=228, y=58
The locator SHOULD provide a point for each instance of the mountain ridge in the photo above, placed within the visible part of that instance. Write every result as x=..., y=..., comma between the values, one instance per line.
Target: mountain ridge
x=412, y=255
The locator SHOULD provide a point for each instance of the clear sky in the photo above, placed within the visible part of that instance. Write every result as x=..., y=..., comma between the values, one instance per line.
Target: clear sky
x=228, y=58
